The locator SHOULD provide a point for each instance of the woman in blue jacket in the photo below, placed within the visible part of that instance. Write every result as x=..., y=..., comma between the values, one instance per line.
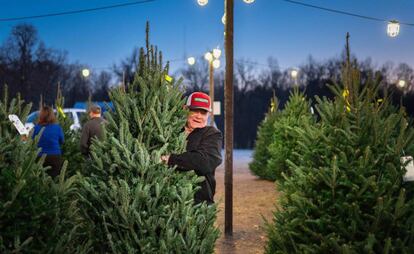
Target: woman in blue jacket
x=50, y=140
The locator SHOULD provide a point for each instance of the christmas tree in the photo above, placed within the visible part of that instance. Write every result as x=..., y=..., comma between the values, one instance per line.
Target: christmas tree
x=35, y=214
x=265, y=132
x=134, y=203
x=345, y=193
x=295, y=114
x=71, y=146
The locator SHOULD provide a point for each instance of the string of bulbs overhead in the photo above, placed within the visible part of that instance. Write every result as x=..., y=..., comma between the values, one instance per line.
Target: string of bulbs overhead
x=205, y=2
x=393, y=26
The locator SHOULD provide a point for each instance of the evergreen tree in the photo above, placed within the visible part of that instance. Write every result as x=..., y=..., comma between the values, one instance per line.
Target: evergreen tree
x=33, y=209
x=71, y=146
x=132, y=202
x=276, y=141
x=283, y=142
x=261, y=154
x=345, y=193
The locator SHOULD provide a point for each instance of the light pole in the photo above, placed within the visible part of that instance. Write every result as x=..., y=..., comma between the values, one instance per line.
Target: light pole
x=228, y=115
x=213, y=58
x=228, y=120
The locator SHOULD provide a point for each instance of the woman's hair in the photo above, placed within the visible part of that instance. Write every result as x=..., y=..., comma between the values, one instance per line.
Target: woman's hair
x=46, y=116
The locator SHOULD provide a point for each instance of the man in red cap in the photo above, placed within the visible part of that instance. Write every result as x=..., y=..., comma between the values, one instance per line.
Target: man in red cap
x=203, y=151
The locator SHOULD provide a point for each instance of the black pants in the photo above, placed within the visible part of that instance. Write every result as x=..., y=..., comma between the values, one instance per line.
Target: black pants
x=55, y=162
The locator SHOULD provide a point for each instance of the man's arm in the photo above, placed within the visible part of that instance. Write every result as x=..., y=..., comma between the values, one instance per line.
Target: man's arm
x=84, y=140
x=204, y=159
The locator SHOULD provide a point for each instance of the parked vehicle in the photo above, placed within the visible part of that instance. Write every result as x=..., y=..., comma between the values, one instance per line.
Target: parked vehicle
x=105, y=105
x=76, y=114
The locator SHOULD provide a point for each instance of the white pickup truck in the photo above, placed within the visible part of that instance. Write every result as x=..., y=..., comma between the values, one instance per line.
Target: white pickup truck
x=74, y=113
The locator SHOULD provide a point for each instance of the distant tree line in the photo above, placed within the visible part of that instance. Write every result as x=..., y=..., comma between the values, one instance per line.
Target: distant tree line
x=34, y=70
x=29, y=67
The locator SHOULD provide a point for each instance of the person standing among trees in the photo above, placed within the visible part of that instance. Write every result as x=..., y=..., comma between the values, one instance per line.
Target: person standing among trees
x=203, y=150
x=50, y=140
x=91, y=129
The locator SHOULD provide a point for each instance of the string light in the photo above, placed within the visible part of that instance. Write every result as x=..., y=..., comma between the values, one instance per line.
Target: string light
x=393, y=28
x=393, y=24
x=202, y=2
x=76, y=11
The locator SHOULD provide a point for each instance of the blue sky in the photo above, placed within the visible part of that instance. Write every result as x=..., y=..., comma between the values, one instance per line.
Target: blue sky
x=287, y=32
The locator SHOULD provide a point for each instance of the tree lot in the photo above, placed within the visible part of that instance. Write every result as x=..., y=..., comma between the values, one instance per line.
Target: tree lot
x=28, y=66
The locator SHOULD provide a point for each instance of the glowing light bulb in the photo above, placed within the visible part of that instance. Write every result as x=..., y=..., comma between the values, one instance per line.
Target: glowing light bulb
x=401, y=83
x=202, y=2
x=393, y=28
x=86, y=73
x=216, y=53
x=191, y=60
x=294, y=73
x=216, y=63
x=208, y=56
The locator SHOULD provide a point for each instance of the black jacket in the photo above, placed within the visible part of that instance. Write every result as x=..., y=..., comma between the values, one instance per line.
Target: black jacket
x=91, y=129
x=203, y=155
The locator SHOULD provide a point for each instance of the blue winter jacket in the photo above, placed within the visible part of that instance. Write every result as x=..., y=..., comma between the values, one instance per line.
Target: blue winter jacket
x=51, y=139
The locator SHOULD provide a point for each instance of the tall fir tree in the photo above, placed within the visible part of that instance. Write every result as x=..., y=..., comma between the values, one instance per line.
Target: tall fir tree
x=346, y=193
x=283, y=141
x=34, y=210
x=71, y=147
x=265, y=133
x=132, y=201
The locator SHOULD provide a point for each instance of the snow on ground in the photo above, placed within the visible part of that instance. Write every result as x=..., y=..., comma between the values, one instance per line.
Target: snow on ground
x=241, y=157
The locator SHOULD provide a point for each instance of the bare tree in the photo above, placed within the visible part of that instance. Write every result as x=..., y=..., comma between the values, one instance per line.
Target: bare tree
x=76, y=87
x=246, y=77
x=126, y=70
x=17, y=52
x=101, y=84
x=196, y=76
x=29, y=67
x=406, y=73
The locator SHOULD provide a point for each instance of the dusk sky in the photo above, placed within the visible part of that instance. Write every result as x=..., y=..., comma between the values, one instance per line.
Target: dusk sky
x=266, y=28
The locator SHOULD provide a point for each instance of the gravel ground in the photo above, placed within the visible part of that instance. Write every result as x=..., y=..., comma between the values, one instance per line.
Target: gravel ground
x=253, y=201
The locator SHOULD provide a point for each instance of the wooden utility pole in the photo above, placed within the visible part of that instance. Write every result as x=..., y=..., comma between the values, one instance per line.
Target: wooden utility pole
x=228, y=121
x=211, y=70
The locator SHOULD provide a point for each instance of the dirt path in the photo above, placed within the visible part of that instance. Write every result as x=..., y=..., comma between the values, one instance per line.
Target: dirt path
x=252, y=199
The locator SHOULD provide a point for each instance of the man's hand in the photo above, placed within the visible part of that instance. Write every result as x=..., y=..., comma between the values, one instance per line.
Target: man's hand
x=188, y=130
x=165, y=158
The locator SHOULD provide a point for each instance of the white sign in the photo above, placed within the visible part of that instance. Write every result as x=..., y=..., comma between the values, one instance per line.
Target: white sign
x=217, y=108
x=409, y=175
x=18, y=124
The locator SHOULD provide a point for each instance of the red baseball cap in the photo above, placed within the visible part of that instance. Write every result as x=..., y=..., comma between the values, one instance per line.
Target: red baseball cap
x=199, y=100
